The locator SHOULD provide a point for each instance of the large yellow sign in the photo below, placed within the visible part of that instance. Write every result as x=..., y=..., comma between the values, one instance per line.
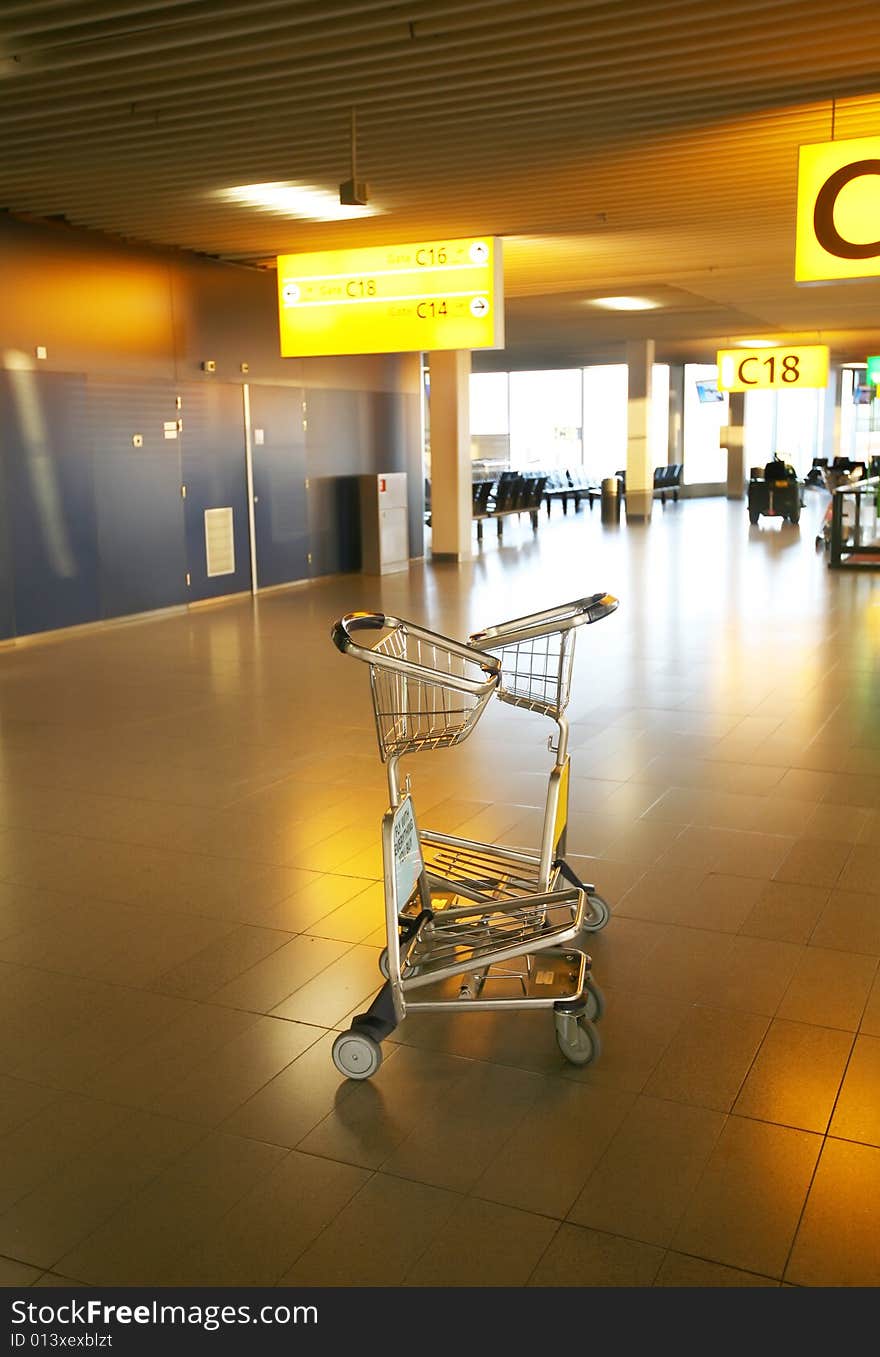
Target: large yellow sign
x=433, y=294
x=838, y=211
x=783, y=369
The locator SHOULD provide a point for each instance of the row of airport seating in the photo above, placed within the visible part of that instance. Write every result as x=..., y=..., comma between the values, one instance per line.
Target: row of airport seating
x=519, y=492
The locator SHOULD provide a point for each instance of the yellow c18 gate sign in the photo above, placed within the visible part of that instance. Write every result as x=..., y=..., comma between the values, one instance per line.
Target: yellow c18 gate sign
x=431, y=294
x=783, y=369
x=838, y=211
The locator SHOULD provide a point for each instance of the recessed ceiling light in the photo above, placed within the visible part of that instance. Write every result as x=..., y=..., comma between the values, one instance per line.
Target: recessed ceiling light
x=624, y=303
x=304, y=201
x=756, y=343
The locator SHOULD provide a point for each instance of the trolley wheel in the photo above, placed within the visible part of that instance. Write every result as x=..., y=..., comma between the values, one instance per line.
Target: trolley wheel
x=357, y=1055
x=577, y=1038
x=383, y=963
x=753, y=517
x=600, y=913
x=595, y=1000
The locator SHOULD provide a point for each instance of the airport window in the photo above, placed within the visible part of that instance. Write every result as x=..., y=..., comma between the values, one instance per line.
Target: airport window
x=605, y=395
x=561, y=418
x=546, y=418
x=787, y=424
x=859, y=416
x=705, y=413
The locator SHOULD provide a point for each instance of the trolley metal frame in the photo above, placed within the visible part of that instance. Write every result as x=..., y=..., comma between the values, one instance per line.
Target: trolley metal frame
x=536, y=655
x=445, y=949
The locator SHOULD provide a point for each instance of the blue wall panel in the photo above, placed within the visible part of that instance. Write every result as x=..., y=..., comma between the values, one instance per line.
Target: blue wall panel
x=52, y=537
x=280, y=508
x=7, y=512
x=137, y=490
x=212, y=447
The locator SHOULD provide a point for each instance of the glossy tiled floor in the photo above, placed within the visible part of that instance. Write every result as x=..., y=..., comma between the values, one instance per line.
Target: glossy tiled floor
x=189, y=814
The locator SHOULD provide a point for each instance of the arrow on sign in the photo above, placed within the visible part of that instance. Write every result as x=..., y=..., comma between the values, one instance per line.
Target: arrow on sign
x=479, y=306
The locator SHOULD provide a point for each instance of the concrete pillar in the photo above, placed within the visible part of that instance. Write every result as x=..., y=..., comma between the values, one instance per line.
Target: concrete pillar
x=675, y=446
x=451, y=478
x=733, y=436
x=639, y=454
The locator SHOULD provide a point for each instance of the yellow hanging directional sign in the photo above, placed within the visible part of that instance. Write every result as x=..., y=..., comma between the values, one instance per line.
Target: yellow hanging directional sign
x=838, y=210
x=432, y=294
x=791, y=368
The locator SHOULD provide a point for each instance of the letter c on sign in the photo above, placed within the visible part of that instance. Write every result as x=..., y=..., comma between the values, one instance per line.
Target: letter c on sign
x=827, y=233
x=748, y=381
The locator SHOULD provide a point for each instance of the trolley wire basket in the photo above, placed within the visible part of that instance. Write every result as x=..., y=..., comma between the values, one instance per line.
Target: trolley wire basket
x=428, y=691
x=537, y=653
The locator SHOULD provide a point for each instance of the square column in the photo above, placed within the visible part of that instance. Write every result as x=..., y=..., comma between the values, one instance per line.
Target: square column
x=639, y=453
x=734, y=438
x=451, y=473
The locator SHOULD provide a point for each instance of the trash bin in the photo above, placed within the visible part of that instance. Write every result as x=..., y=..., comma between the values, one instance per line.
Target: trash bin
x=611, y=500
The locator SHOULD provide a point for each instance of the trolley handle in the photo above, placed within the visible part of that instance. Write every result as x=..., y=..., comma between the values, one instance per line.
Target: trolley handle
x=564, y=617
x=341, y=631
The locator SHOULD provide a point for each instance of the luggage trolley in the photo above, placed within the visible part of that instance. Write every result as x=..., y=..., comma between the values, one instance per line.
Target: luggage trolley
x=473, y=954
x=842, y=471
x=536, y=655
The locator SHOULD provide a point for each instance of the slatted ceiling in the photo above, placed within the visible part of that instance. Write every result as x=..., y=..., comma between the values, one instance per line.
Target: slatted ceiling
x=616, y=147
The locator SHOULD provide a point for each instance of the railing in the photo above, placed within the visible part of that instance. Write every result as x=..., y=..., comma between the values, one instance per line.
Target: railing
x=855, y=526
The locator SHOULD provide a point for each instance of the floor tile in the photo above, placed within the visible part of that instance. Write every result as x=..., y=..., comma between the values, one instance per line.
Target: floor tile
x=786, y=911
x=233, y=1074
x=745, y=1210
x=849, y=923
x=795, y=1076
x=838, y=1243
x=17, y=1274
x=483, y=1244
x=679, y=1270
x=580, y=1257
x=261, y=1237
x=377, y=1237
x=546, y=1161
x=140, y=1246
x=870, y=1023
x=338, y=988
x=208, y=970
x=836, y=823
x=829, y=988
x=857, y=1113
x=442, y=1149
x=813, y=862
x=861, y=871
x=47, y=1223
x=365, y=1121
x=710, y=1057
x=641, y=1184
x=20, y=1101
x=270, y=982
x=49, y=1141
x=755, y=975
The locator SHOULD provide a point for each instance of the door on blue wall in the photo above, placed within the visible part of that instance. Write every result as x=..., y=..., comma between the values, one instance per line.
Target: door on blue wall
x=214, y=473
x=137, y=495
x=281, y=519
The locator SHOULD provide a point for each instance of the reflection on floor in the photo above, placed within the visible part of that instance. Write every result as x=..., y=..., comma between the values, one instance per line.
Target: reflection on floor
x=189, y=906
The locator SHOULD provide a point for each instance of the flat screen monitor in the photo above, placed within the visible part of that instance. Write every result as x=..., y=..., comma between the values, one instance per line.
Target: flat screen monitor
x=708, y=393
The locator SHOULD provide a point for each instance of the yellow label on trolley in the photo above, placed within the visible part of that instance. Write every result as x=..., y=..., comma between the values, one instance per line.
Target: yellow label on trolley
x=561, y=820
